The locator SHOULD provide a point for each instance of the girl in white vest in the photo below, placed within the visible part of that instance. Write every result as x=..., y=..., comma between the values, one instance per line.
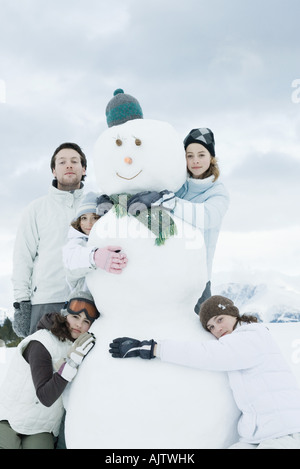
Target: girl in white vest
x=31, y=406
x=263, y=386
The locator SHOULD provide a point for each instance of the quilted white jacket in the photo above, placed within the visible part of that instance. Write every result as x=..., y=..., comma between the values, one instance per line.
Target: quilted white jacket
x=18, y=401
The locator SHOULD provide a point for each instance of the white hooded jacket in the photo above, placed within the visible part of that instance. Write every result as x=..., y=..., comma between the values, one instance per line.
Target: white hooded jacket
x=78, y=258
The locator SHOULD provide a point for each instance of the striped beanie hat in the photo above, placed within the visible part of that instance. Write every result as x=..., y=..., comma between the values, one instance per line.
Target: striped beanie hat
x=122, y=108
x=88, y=204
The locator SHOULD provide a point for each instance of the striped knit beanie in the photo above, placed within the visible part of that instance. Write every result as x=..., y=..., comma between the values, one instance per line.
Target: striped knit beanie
x=122, y=108
x=88, y=204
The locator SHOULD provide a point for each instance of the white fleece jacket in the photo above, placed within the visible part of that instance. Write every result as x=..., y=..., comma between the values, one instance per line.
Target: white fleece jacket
x=264, y=388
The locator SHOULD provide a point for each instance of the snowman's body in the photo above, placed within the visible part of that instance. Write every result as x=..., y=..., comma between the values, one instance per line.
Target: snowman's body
x=134, y=403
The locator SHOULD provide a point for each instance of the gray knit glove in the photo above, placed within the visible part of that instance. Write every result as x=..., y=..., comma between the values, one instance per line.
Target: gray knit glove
x=22, y=318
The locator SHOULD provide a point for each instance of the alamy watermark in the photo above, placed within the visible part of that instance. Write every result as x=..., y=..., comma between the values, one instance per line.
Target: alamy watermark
x=2, y=91
x=296, y=92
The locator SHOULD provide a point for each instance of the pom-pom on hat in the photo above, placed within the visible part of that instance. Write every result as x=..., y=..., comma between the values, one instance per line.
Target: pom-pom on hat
x=122, y=108
x=203, y=136
x=88, y=204
x=217, y=305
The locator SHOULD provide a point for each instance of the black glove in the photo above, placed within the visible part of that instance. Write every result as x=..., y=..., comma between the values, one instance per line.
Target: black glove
x=22, y=318
x=126, y=347
x=103, y=205
x=142, y=201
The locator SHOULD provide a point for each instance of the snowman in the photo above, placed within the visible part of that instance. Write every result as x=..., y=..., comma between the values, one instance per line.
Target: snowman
x=135, y=403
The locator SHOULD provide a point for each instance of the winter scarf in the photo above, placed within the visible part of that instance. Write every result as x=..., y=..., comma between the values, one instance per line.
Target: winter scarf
x=156, y=219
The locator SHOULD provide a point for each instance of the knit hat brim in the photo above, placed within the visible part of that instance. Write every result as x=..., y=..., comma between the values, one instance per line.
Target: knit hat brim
x=203, y=136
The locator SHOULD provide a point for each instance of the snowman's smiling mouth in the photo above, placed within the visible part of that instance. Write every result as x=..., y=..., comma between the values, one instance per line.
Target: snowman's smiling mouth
x=128, y=179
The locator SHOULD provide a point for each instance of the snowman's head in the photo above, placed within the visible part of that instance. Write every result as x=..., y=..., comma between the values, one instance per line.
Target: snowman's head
x=139, y=155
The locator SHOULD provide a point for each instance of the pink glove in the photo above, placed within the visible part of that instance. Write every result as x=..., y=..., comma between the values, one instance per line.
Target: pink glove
x=110, y=260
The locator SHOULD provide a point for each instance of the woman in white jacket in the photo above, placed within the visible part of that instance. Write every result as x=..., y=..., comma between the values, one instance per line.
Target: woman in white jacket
x=263, y=386
x=79, y=258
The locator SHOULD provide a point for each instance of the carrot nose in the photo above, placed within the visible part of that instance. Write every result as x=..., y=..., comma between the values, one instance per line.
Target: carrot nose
x=128, y=160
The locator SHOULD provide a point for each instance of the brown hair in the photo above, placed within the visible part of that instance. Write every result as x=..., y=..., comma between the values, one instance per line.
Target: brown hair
x=60, y=327
x=72, y=146
x=76, y=224
x=248, y=318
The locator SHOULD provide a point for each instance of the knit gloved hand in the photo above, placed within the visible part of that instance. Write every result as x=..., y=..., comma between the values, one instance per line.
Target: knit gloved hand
x=142, y=201
x=167, y=200
x=126, y=347
x=104, y=204
x=67, y=369
x=22, y=318
x=110, y=259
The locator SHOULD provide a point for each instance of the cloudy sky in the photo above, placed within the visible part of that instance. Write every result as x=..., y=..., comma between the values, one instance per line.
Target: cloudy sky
x=229, y=65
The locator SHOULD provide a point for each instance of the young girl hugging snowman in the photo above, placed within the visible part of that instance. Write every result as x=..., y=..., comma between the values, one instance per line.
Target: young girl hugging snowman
x=79, y=258
x=263, y=385
x=31, y=405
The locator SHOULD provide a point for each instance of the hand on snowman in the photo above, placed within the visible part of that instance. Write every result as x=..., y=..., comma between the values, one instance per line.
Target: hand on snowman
x=167, y=200
x=126, y=347
x=84, y=343
x=144, y=200
x=104, y=204
x=111, y=259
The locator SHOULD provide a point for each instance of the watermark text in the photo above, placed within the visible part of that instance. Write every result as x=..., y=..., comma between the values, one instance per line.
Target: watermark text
x=296, y=92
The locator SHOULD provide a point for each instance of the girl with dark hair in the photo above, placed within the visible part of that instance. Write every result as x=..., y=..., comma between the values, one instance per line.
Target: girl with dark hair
x=31, y=406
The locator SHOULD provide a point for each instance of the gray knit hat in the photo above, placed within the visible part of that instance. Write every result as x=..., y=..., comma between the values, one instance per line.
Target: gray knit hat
x=122, y=108
x=216, y=306
x=203, y=136
x=88, y=204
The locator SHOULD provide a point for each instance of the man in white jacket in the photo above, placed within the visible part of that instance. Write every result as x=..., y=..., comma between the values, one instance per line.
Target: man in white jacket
x=39, y=283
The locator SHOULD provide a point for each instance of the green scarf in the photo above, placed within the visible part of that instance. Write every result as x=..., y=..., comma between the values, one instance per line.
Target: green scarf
x=156, y=219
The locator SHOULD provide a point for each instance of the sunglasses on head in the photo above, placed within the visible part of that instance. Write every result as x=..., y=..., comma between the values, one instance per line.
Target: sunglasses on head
x=79, y=305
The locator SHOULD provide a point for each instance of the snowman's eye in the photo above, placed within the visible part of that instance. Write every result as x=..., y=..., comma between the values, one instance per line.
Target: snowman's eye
x=138, y=142
x=119, y=142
